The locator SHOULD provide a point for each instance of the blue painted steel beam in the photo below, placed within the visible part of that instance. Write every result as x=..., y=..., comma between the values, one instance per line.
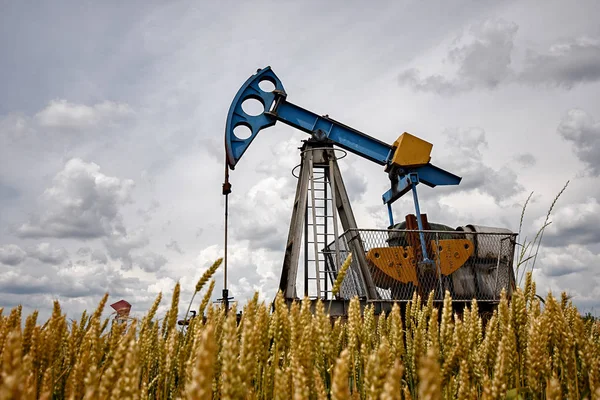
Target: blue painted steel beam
x=430, y=175
x=278, y=109
x=434, y=176
x=343, y=136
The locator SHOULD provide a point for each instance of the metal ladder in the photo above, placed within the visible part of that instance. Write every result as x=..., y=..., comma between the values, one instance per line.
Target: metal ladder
x=320, y=229
x=320, y=206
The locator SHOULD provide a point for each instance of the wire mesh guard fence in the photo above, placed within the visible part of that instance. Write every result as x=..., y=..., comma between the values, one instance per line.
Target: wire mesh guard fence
x=399, y=262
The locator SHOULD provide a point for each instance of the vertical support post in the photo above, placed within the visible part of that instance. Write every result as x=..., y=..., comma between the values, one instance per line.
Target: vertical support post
x=414, y=179
x=289, y=272
x=311, y=156
x=338, y=262
x=326, y=231
x=226, y=191
x=314, y=219
x=306, y=254
x=437, y=264
x=390, y=214
x=225, y=290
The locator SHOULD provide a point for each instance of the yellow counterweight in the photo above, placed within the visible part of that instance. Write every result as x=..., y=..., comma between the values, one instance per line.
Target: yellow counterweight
x=399, y=262
x=411, y=151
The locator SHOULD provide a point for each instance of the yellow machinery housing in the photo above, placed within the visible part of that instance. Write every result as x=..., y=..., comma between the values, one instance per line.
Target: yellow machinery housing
x=411, y=151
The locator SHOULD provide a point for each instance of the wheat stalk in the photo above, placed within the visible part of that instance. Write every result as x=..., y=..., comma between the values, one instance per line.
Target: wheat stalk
x=524, y=351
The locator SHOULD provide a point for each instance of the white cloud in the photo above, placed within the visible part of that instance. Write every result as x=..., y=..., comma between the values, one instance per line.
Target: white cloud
x=565, y=64
x=579, y=128
x=525, y=159
x=45, y=253
x=99, y=256
x=119, y=245
x=355, y=182
x=148, y=212
x=262, y=212
x=464, y=156
x=85, y=204
x=16, y=282
x=95, y=255
x=571, y=259
x=70, y=282
x=82, y=203
x=173, y=245
x=149, y=261
x=571, y=269
x=62, y=114
x=161, y=118
x=13, y=126
x=483, y=57
x=483, y=60
x=11, y=254
x=250, y=269
x=573, y=224
x=84, y=251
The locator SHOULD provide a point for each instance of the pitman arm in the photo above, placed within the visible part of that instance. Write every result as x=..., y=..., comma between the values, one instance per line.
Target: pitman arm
x=408, y=154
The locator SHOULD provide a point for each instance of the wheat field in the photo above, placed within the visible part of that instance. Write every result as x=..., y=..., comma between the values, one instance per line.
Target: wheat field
x=527, y=349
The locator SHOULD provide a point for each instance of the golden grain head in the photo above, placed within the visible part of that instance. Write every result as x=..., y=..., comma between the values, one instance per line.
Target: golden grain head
x=293, y=352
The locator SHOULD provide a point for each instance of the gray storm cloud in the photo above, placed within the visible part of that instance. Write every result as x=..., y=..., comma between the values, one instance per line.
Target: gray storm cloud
x=483, y=61
x=574, y=224
x=464, y=156
x=11, y=254
x=583, y=132
x=149, y=261
x=486, y=60
x=48, y=254
x=565, y=64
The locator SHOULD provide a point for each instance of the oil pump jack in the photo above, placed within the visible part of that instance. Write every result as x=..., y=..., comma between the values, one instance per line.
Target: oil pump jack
x=388, y=265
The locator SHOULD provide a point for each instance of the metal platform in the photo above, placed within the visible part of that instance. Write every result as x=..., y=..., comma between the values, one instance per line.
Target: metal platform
x=480, y=267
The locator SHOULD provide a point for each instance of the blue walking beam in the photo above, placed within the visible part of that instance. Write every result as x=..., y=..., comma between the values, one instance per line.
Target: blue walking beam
x=408, y=155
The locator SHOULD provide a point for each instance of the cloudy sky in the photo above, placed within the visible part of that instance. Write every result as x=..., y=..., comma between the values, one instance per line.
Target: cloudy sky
x=112, y=118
